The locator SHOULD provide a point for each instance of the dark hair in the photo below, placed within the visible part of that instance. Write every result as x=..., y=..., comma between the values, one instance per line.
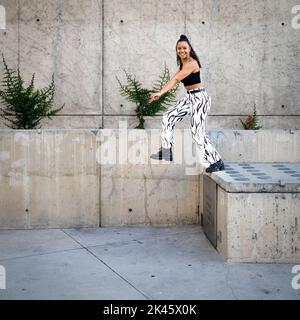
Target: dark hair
x=193, y=53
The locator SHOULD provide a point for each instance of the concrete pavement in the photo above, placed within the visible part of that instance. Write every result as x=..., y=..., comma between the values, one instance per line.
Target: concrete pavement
x=136, y=262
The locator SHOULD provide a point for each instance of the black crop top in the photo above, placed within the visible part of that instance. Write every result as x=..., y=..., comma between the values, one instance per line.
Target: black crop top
x=192, y=78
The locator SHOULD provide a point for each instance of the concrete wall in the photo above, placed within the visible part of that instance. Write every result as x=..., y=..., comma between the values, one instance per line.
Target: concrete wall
x=258, y=227
x=63, y=37
x=249, y=51
x=148, y=195
x=48, y=179
x=70, y=178
x=76, y=178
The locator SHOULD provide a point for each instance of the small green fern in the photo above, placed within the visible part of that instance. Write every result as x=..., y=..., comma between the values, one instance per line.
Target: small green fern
x=23, y=107
x=134, y=92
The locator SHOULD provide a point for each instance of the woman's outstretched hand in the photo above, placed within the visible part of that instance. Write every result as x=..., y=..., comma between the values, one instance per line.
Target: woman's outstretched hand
x=154, y=96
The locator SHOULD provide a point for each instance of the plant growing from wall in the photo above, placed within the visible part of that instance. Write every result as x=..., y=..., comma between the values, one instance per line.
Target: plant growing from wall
x=134, y=92
x=251, y=122
x=25, y=107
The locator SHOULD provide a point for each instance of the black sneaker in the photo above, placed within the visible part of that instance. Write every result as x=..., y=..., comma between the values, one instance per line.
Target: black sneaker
x=217, y=166
x=163, y=153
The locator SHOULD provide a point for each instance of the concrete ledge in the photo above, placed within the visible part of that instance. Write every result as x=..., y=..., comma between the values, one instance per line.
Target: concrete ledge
x=56, y=178
x=259, y=177
x=254, y=220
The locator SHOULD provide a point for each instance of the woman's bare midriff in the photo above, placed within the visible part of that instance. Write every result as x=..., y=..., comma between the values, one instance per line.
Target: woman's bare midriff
x=194, y=86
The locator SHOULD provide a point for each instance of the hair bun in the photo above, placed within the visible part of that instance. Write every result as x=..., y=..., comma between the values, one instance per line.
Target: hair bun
x=183, y=37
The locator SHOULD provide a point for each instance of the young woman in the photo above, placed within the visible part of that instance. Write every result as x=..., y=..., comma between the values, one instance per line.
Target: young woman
x=196, y=102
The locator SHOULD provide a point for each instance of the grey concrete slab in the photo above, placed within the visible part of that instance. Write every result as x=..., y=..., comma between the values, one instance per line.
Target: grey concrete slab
x=259, y=177
x=73, y=274
x=178, y=266
x=21, y=243
x=156, y=263
x=127, y=234
x=170, y=267
x=262, y=281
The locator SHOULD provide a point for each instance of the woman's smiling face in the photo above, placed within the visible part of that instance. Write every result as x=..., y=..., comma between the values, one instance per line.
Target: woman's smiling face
x=183, y=49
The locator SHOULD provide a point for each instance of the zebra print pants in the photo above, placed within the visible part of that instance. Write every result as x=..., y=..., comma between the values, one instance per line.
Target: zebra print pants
x=197, y=105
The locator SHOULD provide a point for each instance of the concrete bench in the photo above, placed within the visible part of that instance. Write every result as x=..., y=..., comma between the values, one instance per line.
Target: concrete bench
x=251, y=211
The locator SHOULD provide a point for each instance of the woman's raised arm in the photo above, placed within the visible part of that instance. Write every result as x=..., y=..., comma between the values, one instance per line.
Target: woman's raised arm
x=178, y=76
